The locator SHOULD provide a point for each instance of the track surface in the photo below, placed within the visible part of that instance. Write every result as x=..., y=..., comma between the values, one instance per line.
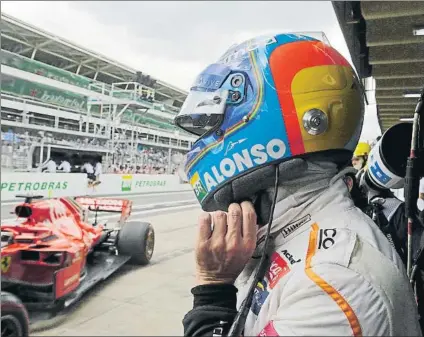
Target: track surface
x=140, y=301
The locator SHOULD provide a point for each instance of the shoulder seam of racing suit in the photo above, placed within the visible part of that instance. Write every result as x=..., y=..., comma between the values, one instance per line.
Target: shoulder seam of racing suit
x=326, y=287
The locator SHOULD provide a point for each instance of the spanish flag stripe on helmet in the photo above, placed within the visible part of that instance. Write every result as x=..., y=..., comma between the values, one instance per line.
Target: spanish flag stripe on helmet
x=292, y=54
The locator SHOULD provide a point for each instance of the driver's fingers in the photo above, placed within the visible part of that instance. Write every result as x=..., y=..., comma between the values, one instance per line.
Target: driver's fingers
x=234, y=221
x=249, y=221
x=204, y=229
x=219, y=225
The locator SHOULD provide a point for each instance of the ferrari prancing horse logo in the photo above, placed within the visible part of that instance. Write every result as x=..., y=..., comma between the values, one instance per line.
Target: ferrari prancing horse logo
x=5, y=263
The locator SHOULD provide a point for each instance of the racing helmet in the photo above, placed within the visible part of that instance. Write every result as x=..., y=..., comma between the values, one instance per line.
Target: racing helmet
x=360, y=155
x=265, y=101
x=362, y=149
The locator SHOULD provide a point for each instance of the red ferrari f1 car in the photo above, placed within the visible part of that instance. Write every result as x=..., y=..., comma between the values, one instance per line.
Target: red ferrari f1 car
x=53, y=255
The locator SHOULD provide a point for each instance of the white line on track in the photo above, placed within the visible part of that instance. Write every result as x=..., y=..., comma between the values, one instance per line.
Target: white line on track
x=163, y=203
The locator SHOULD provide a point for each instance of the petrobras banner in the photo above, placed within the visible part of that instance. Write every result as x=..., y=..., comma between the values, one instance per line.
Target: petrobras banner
x=52, y=185
x=121, y=184
x=49, y=185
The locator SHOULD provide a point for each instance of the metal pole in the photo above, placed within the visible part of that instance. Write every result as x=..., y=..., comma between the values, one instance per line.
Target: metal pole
x=132, y=139
x=112, y=130
x=412, y=182
x=168, y=168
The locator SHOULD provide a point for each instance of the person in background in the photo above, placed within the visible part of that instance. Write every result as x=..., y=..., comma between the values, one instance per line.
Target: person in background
x=98, y=170
x=50, y=166
x=360, y=156
x=64, y=166
x=113, y=168
x=88, y=168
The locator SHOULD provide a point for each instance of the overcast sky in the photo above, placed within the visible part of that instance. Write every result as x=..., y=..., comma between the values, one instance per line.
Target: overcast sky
x=175, y=40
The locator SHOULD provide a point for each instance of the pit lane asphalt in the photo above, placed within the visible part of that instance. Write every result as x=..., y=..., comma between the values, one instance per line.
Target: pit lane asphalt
x=149, y=300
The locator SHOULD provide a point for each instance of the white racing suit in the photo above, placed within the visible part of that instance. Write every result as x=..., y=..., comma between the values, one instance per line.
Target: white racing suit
x=332, y=272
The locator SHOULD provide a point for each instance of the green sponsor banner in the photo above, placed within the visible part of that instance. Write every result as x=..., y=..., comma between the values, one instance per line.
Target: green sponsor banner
x=23, y=88
x=129, y=184
x=42, y=69
x=149, y=183
x=17, y=186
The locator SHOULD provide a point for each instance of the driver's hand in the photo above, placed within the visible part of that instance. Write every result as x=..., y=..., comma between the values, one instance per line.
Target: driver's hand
x=222, y=253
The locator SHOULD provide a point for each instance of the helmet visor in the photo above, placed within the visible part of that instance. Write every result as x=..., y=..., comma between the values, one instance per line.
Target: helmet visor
x=202, y=111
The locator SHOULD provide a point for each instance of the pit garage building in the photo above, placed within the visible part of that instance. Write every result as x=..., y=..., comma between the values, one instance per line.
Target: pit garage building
x=386, y=43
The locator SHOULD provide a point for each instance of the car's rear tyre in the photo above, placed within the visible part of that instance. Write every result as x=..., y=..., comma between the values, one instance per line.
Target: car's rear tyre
x=137, y=239
x=14, y=317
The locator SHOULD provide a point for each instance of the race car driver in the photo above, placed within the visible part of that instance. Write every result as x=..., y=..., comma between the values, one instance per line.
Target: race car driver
x=277, y=118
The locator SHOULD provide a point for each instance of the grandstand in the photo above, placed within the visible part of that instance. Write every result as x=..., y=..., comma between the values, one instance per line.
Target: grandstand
x=58, y=98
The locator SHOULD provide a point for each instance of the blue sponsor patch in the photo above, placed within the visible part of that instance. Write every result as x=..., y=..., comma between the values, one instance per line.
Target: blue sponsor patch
x=378, y=174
